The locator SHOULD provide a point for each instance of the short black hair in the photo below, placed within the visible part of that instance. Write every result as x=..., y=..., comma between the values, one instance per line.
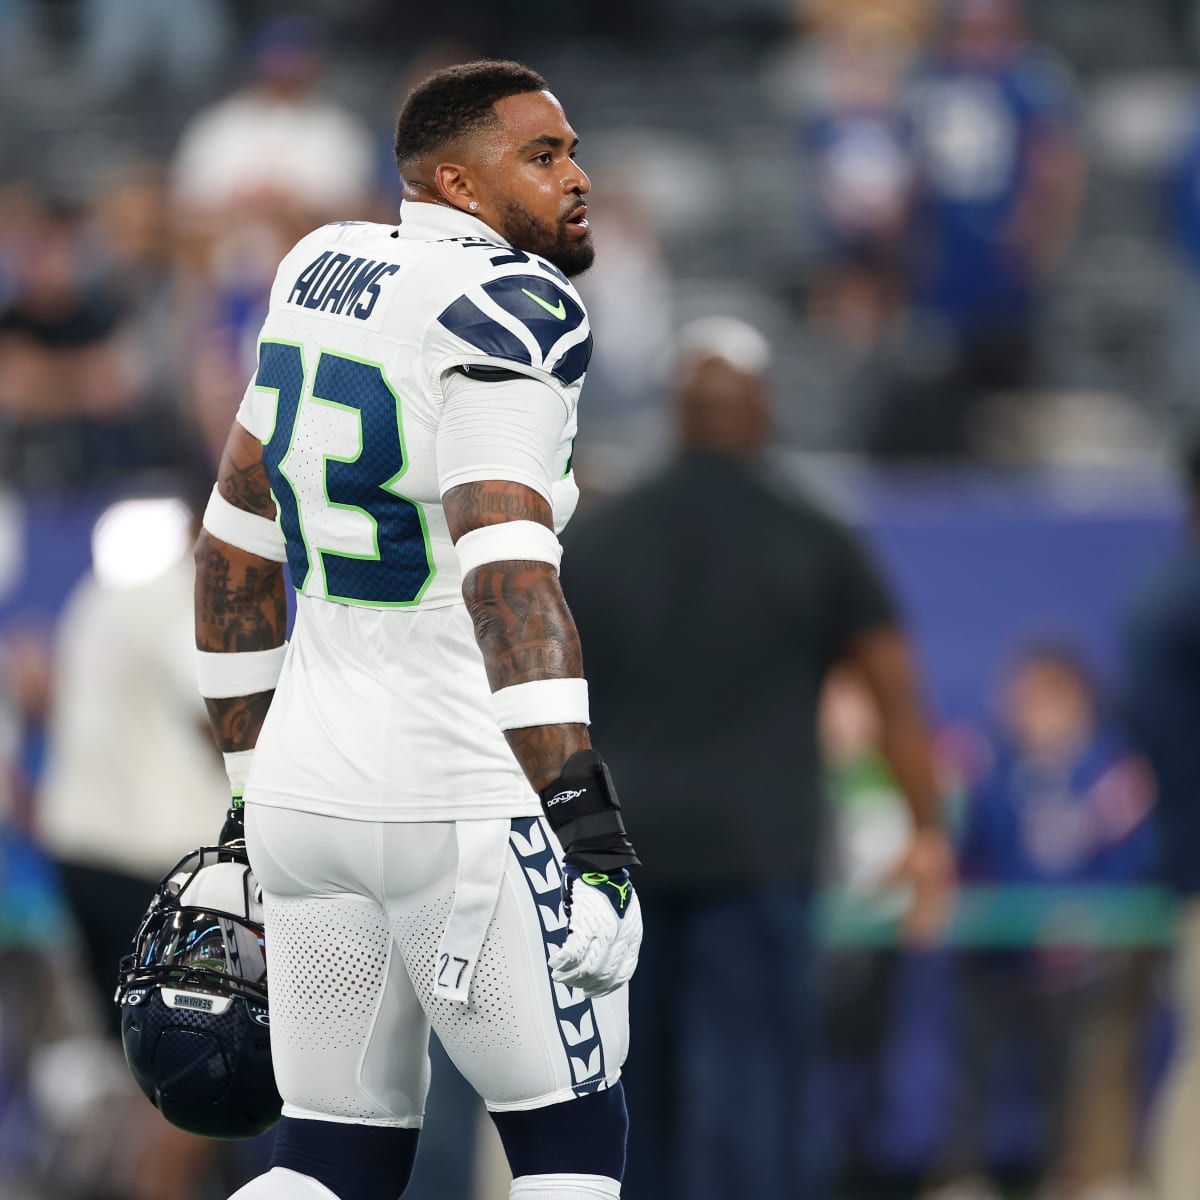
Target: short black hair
x=455, y=101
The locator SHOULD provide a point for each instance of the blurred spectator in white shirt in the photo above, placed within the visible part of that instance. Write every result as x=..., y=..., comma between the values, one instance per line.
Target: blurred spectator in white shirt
x=252, y=175
x=278, y=141
x=133, y=781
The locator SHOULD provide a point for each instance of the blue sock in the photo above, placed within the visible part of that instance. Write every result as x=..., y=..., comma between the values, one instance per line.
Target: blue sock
x=584, y=1136
x=355, y=1162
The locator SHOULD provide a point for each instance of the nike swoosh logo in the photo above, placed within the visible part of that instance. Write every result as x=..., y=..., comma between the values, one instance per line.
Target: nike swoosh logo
x=559, y=311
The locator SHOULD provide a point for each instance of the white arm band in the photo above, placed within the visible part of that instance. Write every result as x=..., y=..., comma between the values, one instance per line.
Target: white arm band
x=244, y=673
x=542, y=702
x=245, y=530
x=237, y=767
x=511, y=541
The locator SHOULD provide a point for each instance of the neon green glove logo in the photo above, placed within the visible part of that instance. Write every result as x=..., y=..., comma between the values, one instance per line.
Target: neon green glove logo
x=560, y=311
x=597, y=879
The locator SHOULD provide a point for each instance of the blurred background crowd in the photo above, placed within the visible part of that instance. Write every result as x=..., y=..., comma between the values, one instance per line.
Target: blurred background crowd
x=969, y=232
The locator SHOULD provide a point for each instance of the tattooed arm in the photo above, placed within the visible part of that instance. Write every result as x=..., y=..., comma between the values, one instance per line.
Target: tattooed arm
x=522, y=622
x=241, y=603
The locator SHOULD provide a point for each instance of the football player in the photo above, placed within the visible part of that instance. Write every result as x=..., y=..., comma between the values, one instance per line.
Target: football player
x=436, y=840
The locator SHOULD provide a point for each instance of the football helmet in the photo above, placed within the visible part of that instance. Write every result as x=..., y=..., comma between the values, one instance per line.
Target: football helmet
x=193, y=999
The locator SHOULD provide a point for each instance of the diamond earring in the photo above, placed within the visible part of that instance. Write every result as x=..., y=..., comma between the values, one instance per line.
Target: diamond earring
x=473, y=205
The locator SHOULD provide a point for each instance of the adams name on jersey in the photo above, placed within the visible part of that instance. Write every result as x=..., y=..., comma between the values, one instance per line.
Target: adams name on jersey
x=383, y=682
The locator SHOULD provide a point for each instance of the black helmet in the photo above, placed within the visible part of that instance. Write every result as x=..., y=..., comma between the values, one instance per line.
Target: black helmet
x=193, y=999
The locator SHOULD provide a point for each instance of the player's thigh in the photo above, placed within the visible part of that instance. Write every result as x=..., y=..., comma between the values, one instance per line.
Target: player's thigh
x=348, y=1036
x=522, y=1041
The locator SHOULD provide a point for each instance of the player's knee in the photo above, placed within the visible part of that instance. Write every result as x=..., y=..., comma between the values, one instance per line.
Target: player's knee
x=584, y=1136
x=355, y=1162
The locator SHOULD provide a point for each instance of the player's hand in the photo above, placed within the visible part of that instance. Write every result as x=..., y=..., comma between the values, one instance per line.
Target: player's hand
x=928, y=868
x=604, y=931
x=233, y=832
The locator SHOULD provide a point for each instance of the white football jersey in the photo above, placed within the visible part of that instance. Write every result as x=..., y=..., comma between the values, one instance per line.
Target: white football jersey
x=382, y=711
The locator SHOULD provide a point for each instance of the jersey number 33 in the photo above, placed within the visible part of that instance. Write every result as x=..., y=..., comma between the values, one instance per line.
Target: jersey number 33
x=360, y=461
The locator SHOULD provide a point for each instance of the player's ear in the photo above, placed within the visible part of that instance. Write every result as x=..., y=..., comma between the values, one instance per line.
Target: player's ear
x=454, y=185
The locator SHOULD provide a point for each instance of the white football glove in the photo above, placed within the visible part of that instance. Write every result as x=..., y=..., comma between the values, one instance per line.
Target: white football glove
x=604, y=931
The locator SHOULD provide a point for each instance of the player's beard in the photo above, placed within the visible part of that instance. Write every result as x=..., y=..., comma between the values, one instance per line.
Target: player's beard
x=572, y=256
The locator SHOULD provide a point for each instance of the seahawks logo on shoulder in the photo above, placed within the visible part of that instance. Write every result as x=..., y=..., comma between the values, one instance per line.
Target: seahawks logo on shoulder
x=528, y=319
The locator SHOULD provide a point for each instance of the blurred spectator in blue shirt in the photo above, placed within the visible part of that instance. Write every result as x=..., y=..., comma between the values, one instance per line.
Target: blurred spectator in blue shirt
x=1065, y=801
x=858, y=137
x=999, y=178
x=1163, y=705
x=843, y=80
x=999, y=170
x=1049, y=1035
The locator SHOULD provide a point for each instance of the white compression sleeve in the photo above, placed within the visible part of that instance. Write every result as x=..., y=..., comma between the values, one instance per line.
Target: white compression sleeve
x=564, y=1187
x=509, y=428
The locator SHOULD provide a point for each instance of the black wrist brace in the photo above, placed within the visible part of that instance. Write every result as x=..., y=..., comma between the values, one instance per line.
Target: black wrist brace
x=583, y=810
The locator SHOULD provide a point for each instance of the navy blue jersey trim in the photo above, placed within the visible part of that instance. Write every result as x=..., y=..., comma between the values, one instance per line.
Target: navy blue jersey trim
x=541, y=306
x=574, y=363
x=467, y=321
x=574, y=1012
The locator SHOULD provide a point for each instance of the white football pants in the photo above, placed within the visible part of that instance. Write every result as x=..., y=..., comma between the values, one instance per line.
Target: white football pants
x=355, y=912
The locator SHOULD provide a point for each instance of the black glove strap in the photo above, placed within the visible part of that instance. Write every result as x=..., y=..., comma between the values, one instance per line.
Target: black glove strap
x=583, y=810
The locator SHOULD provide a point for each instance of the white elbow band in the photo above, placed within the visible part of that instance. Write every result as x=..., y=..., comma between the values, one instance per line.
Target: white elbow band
x=222, y=675
x=245, y=530
x=511, y=541
x=542, y=702
x=237, y=767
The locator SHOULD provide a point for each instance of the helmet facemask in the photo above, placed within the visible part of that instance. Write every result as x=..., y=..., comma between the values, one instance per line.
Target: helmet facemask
x=193, y=999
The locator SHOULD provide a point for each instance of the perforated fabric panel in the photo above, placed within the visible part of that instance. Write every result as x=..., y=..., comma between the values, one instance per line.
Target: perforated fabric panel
x=488, y=1021
x=329, y=960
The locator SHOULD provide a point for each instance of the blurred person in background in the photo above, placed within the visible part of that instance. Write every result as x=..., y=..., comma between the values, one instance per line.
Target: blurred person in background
x=1064, y=803
x=130, y=759
x=858, y=335
x=999, y=181
x=180, y=45
x=133, y=228
x=714, y=599
x=74, y=390
x=1162, y=703
x=130, y=774
x=858, y=985
x=279, y=144
x=251, y=175
x=859, y=143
